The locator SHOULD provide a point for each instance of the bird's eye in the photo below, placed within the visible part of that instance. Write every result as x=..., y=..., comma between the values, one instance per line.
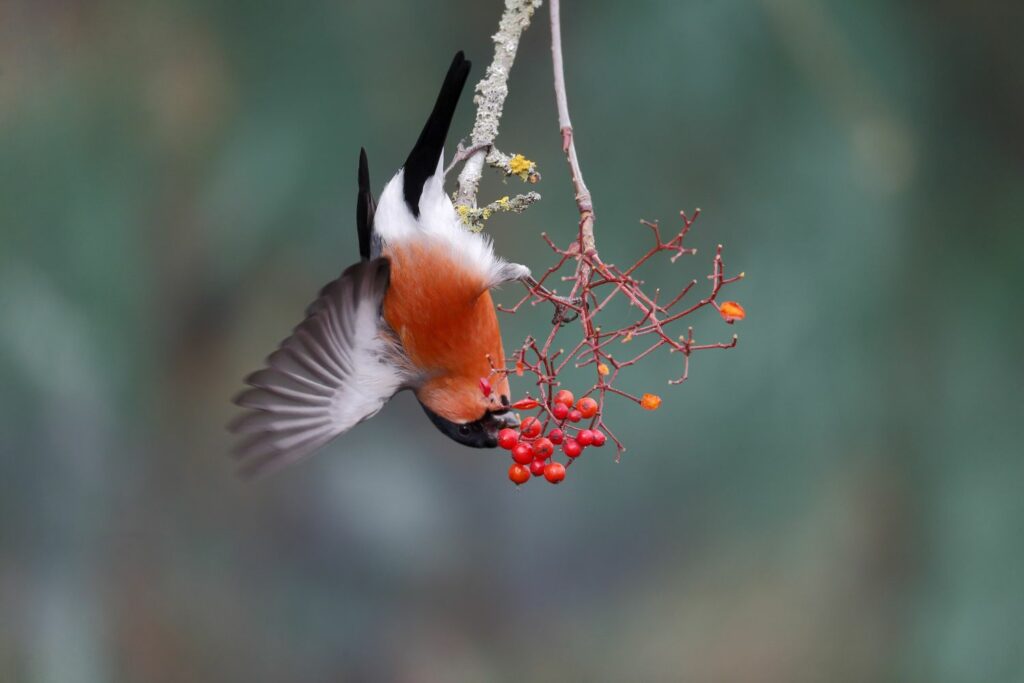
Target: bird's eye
x=463, y=429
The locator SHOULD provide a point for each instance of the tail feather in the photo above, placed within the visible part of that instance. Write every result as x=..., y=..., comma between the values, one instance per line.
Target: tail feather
x=425, y=154
x=365, y=208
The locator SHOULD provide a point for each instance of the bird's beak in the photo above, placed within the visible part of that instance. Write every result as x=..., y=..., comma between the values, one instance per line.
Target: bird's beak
x=499, y=421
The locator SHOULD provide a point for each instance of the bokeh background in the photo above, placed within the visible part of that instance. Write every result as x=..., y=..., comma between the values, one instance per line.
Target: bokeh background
x=839, y=498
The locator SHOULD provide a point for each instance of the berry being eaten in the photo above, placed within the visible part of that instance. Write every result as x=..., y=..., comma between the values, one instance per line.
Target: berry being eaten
x=507, y=439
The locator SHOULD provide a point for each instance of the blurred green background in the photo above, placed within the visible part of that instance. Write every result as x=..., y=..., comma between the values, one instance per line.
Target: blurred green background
x=837, y=499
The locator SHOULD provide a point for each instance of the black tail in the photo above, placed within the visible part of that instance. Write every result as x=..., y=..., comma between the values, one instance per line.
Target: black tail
x=365, y=207
x=424, y=155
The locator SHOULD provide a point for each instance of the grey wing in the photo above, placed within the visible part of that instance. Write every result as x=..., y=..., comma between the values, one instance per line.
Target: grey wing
x=336, y=369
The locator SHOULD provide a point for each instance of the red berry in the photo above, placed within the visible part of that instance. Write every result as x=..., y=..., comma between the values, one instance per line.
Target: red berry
x=543, y=448
x=518, y=474
x=588, y=407
x=556, y=436
x=585, y=438
x=560, y=411
x=508, y=438
x=599, y=439
x=565, y=396
x=523, y=453
x=537, y=467
x=572, y=448
x=575, y=415
x=554, y=472
x=530, y=428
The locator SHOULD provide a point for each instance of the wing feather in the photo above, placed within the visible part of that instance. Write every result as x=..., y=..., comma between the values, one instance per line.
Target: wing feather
x=335, y=370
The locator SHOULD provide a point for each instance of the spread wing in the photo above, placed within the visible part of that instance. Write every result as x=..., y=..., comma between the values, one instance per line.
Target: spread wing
x=337, y=369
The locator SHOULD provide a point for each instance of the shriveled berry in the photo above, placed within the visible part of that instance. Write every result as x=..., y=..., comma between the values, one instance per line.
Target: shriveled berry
x=599, y=439
x=518, y=474
x=556, y=436
x=537, y=468
x=588, y=407
x=523, y=453
x=525, y=404
x=554, y=472
x=572, y=448
x=565, y=396
x=543, y=448
x=508, y=438
x=731, y=311
x=560, y=411
x=585, y=438
x=575, y=415
x=530, y=428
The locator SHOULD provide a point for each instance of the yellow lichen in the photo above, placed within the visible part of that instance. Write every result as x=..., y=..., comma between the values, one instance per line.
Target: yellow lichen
x=520, y=166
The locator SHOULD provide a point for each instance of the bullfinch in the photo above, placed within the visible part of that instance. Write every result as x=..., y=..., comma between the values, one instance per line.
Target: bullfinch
x=414, y=313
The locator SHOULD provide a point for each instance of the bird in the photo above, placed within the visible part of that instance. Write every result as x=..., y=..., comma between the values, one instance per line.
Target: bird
x=414, y=313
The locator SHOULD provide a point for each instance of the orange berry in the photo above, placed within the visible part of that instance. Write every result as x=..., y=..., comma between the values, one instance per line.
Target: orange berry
x=731, y=311
x=602, y=369
x=650, y=401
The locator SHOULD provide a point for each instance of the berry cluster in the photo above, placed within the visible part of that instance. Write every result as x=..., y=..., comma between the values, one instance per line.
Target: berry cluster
x=533, y=452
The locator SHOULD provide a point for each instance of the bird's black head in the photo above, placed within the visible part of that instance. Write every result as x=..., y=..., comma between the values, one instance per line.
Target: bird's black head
x=480, y=433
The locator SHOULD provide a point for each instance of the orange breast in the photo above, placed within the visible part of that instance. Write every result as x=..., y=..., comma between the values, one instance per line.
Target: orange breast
x=446, y=321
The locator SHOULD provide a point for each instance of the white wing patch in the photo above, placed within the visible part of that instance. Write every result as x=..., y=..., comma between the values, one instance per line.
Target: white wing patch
x=396, y=224
x=337, y=369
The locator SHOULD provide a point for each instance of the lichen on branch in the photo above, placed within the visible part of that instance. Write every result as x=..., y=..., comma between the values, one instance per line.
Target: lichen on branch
x=490, y=96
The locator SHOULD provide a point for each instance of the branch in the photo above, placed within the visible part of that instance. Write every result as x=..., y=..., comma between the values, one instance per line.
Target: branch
x=491, y=92
x=584, y=204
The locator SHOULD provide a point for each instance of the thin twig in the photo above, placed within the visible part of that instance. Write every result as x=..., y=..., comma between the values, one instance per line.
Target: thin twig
x=584, y=204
